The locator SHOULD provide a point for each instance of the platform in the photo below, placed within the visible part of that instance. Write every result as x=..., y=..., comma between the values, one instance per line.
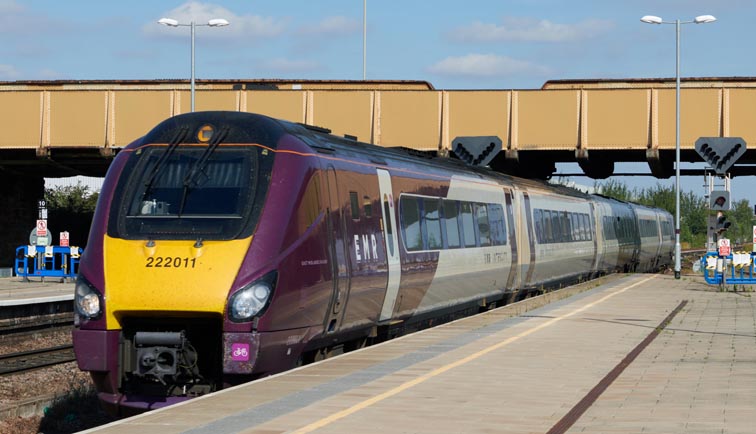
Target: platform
x=641, y=353
x=15, y=291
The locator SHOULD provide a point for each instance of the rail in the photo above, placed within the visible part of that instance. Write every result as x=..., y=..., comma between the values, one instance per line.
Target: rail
x=14, y=363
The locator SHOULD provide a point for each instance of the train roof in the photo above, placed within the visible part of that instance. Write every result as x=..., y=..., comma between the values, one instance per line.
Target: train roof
x=322, y=139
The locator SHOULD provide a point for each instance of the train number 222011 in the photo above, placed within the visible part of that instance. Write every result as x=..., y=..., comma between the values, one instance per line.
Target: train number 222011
x=169, y=262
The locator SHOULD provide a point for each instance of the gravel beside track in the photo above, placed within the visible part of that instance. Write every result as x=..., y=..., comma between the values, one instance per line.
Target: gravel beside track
x=60, y=380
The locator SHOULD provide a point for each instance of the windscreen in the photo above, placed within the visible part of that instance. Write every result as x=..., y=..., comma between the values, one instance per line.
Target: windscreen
x=192, y=192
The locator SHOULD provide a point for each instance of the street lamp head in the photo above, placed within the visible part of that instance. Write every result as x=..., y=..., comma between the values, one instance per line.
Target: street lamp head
x=702, y=19
x=168, y=22
x=651, y=19
x=220, y=22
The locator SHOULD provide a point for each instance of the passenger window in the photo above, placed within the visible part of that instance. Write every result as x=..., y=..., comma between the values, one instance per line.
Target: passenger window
x=588, y=228
x=413, y=238
x=484, y=228
x=538, y=227
x=432, y=223
x=451, y=220
x=556, y=227
x=468, y=230
x=498, y=228
x=548, y=233
x=575, y=226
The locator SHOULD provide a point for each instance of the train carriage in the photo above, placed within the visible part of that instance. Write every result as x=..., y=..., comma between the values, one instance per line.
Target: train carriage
x=227, y=246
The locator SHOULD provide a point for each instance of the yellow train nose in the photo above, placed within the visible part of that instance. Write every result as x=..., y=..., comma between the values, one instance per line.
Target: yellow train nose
x=169, y=276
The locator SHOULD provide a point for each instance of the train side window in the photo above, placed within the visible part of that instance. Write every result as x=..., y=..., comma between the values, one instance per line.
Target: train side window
x=556, y=227
x=586, y=227
x=498, y=228
x=468, y=228
x=451, y=221
x=413, y=237
x=484, y=227
x=355, y=202
x=566, y=227
x=432, y=223
x=577, y=227
x=609, y=228
x=538, y=226
x=548, y=233
x=389, y=228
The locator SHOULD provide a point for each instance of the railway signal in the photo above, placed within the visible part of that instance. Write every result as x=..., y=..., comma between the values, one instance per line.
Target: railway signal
x=722, y=224
x=720, y=152
x=719, y=200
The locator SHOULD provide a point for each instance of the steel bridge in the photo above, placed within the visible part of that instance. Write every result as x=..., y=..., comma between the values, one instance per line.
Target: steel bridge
x=63, y=128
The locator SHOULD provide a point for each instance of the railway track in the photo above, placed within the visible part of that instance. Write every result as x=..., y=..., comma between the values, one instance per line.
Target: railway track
x=28, y=360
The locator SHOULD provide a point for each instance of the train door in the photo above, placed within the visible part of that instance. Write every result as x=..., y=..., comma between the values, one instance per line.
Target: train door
x=513, y=269
x=598, y=250
x=390, y=232
x=337, y=241
x=528, y=256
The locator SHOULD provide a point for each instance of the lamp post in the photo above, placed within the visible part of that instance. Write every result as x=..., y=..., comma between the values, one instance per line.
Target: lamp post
x=170, y=22
x=701, y=19
x=364, y=39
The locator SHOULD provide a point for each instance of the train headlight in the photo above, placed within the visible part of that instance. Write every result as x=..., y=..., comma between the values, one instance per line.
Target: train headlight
x=86, y=299
x=252, y=299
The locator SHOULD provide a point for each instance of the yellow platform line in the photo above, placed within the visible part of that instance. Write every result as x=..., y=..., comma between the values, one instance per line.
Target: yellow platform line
x=438, y=371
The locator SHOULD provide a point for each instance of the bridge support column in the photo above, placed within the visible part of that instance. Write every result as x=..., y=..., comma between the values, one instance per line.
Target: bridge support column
x=596, y=167
x=663, y=169
x=18, y=212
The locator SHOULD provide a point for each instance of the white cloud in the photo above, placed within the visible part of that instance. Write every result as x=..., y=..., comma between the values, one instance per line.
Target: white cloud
x=251, y=26
x=9, y=72
x=485, y=65
x=281, y=65
x=529, y=30
x=332, y=26
x=16, y=20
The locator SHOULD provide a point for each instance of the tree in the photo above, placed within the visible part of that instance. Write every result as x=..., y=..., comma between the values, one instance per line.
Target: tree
x=741, y=217
x=71, y=209
x=70, y=198
x=614, y=189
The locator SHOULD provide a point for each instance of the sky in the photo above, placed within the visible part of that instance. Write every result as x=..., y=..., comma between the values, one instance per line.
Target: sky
x=473, y=44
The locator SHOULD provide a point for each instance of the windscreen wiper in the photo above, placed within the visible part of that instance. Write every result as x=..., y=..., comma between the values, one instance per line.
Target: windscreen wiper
x=180, y=136
x=199, y=166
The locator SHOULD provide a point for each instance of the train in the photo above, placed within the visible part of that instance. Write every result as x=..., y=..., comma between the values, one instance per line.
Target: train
x=228, y=246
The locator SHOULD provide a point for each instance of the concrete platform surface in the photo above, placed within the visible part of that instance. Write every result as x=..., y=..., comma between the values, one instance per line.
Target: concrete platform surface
x=15, y=291
x=639, y=354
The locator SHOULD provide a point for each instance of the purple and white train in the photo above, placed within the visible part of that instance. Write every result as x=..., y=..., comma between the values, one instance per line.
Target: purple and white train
x=228, y=246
